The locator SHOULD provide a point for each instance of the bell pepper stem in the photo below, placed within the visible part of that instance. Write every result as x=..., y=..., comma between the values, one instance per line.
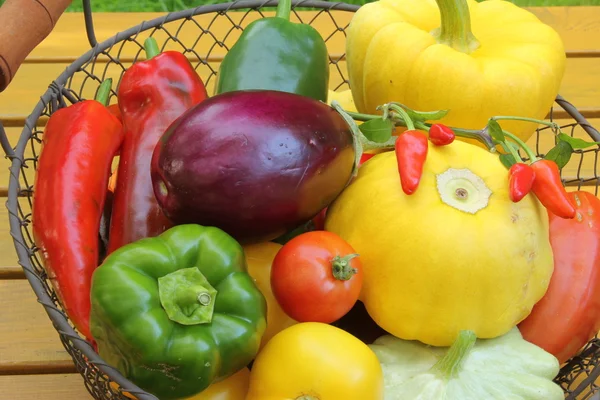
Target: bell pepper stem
x=284, y=9
x=151, y=48
x=306, y=397
x=104, y=92
x=187, y=297
x=341, y=267
x=449, y=365
x=455, y=29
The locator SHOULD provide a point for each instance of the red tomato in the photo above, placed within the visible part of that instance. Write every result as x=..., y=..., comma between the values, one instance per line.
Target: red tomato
x=316, y=277
x=568, y=315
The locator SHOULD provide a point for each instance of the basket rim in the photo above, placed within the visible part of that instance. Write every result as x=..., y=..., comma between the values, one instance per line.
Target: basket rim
x=56, y=87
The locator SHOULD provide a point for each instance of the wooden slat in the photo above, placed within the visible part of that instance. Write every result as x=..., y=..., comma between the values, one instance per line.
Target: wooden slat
x=8, y=255
x=47, y=387
x=28, y=341
x=68, y=41
x=10, y=271
x=20, y=98
x=578, y=26
x=580, y=86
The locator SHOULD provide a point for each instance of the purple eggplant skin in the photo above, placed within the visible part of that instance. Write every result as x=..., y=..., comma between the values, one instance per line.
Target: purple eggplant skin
x=255, y=163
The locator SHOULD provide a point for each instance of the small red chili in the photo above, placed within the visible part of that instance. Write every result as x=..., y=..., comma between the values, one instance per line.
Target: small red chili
x=521, y=178
x=441, y=135
x=549, y=189
x=411, y=152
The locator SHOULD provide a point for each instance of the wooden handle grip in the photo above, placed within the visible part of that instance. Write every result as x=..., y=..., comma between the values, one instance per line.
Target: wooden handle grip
x=23, y=25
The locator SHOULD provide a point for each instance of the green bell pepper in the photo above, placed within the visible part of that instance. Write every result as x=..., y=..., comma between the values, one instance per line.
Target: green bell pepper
x=177, y=312
x=275, y=54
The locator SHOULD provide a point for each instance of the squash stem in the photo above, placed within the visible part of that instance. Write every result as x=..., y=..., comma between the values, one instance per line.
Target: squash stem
x=455, y=29
x=449, y=365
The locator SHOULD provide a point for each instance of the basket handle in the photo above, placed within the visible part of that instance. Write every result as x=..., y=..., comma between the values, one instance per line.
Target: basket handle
x=23, y=25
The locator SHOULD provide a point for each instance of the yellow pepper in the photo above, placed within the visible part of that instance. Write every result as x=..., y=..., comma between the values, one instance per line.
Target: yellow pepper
x=477, y=60
x=259, y=257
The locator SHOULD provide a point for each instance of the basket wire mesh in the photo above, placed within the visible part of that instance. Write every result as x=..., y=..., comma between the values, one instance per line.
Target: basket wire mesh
x=204, y=34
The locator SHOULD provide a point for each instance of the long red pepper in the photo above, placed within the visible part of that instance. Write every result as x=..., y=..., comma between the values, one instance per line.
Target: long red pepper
x=549, y=189
x=411, y=152
x=78, y=147
x=520, y=181
x=152, y=94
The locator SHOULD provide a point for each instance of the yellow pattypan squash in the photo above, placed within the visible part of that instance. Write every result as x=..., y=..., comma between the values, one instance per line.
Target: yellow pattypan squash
x=455, y=255
x=477, y=60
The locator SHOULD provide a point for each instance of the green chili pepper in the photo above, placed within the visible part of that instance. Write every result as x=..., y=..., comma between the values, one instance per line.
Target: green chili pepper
x=177, y=312
x=275, y=54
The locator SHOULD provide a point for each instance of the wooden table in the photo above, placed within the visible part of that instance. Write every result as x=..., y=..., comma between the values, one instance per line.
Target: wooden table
x=33, y=363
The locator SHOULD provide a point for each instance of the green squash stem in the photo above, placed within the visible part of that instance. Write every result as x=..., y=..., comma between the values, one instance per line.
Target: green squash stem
x=449, y=365
x=455, y=30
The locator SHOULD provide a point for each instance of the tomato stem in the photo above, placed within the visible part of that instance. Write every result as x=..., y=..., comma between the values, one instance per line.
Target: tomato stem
x=341, y=267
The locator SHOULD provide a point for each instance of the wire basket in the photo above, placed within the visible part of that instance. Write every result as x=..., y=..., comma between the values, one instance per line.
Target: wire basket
x=204, y=34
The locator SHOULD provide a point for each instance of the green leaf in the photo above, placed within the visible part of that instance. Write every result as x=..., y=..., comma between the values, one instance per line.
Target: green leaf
x=575, y=142
x=377, y=130
x=560, y=154
x=495, y=130
x=508, y=160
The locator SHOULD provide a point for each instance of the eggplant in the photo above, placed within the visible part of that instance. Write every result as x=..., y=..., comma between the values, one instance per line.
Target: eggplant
x=255, y=163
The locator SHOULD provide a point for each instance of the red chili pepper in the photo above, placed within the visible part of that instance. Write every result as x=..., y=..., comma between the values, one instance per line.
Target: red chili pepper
x=152, y=95
x=520, y=181
x=78, y=147
x=549, y=189
x=411, y=152
x=441, y=135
